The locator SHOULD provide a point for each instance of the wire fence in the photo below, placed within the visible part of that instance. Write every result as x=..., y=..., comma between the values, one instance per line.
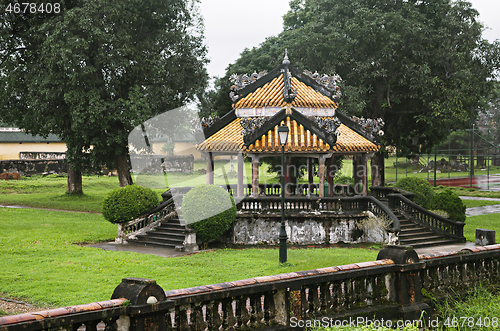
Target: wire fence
x=469, y=158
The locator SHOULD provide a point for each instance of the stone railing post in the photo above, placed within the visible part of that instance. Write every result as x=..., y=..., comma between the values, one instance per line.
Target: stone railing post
x=408, y=284
x=141, y=292
x=190, y=240
x=121, y=237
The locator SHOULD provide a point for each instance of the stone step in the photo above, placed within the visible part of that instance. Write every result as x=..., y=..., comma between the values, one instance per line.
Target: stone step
x=158, y=241
x=434, y=243
x=421, y=240
x=421, y=236
x=170, y=234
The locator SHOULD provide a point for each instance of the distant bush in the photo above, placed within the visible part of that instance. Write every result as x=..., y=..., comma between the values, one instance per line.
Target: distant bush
x=210, y=210
x=451, y=203
x=420, y=187
x=127, y=203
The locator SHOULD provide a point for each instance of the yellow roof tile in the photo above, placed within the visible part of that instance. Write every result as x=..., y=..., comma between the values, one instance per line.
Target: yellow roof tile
x=270, y=95
x=300, y=140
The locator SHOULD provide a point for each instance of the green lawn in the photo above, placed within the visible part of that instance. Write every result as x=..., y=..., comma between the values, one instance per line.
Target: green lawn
x=490, y=222
x=479, y=203
x=41, y=262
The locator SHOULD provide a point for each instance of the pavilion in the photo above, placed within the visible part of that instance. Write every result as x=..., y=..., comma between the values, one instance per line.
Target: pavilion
x=305, y=102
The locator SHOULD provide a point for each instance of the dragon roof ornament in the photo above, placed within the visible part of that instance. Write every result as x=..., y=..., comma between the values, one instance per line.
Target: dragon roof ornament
x=329, y=124
x=330, y=82
x=373, y=126
x=241, y=81
x=250, y=124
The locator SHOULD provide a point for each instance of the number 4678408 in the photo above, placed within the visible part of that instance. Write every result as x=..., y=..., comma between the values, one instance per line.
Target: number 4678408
x=33, y=8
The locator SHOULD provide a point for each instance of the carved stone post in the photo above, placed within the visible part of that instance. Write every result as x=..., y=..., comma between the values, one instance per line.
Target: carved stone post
x=408, y=284
x=147, y=301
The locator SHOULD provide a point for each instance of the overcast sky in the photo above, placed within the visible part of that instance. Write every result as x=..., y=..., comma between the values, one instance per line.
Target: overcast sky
x=233, y=25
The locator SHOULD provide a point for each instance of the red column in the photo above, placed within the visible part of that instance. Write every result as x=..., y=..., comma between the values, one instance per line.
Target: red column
x=330, y=174
x=255, y=176
x=240, y=188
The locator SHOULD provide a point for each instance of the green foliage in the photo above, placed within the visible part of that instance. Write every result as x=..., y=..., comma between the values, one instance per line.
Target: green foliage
x=94, y=71
x=477, y=311
x=210, y=210
x=451, y=203
x=127, y=203
x=420, y=187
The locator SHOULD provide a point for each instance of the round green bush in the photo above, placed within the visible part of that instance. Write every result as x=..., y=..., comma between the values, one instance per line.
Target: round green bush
x=127, y=203
x=420, y=187
x=451, y=203
x=209, y=210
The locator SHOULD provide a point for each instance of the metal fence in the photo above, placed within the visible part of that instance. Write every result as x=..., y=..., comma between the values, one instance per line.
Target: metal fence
x=469, y=158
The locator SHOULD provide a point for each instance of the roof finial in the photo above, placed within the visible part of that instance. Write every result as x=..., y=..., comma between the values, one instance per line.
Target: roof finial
x=285, y=60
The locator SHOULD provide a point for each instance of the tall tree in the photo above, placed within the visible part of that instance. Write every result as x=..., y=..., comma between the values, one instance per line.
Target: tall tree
x=93, y=71
x=421, y=65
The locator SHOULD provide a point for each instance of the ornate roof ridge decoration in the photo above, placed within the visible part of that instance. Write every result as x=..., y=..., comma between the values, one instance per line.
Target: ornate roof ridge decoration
x=241, y=81
x=289, y=93
x=251, y=124
x=329, y=124
x=330, y=82
x=209, y=121
x=370, y=125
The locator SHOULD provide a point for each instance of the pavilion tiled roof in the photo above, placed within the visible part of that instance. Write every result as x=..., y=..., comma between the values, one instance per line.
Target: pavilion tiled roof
x=300, y=140
x=270, y=95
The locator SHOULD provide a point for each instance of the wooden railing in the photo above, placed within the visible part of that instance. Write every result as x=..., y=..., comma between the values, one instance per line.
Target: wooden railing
x=339, y=205
x=426, y=218
x=389, y=288
x=271, y=190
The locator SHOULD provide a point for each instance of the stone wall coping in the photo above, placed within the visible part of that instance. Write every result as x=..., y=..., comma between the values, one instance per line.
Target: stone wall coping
x=476, y=249
x=268, y=279
x=95, y=306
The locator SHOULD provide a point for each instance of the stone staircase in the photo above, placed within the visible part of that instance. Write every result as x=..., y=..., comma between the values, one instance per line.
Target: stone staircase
x=413, y=234
x=169, y=234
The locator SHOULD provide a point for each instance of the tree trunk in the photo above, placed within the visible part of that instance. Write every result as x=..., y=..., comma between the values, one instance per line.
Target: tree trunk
x=378, y=171
x=74, y=181
x=123, y=170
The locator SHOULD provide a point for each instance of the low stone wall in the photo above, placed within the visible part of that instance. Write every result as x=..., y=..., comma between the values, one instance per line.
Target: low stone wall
x=42, y=155
x=31, y=167
x=175, y=163
x=304, y=229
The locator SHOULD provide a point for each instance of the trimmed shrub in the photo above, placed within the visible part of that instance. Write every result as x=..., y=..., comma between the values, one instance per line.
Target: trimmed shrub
x=420, y=187
x=127, y=203
x=209, y=210
x=451, y=203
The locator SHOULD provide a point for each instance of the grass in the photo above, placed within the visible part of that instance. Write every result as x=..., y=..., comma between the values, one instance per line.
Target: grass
x=490, y=222
x=479, y=203
x=42, y=264
x=479, y=310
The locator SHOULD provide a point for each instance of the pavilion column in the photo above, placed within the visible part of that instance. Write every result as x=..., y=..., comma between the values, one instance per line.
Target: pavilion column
x=364, y=173
x=321, y=175
x=330, y=175
x=255, y=176
x=210, y=169
x=310, y=175
x=240, y=188
x=355, y=169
